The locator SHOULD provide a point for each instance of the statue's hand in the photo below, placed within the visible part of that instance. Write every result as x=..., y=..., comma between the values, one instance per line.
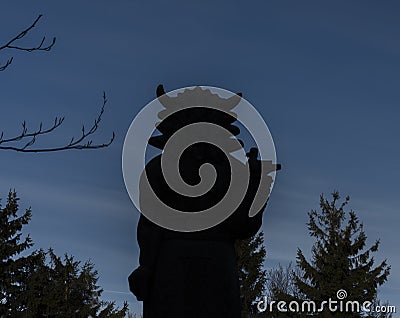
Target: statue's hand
x=140, y=282
x=260, y=181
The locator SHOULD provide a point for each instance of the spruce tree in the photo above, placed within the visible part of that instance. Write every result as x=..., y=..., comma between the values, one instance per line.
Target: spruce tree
x=250, y=256
x=41, y=284
x=12, y=264
x=59, y=287
x=339, y=258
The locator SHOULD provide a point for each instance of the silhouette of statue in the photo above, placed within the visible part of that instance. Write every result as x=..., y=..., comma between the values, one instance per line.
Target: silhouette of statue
x=194, y=274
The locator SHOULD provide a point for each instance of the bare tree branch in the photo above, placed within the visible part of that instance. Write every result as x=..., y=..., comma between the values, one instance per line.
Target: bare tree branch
x=83, y=142
x=12, y=44
x=28, y=139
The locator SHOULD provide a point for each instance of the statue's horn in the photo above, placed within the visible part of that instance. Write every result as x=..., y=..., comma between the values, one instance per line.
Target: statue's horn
x=160, y=90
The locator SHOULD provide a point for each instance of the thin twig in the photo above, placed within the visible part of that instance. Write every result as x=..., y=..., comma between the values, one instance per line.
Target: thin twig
x=11, y=44
x=83, y=142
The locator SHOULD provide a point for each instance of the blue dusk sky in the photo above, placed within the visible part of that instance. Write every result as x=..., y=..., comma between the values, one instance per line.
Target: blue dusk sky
x=324, y=75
